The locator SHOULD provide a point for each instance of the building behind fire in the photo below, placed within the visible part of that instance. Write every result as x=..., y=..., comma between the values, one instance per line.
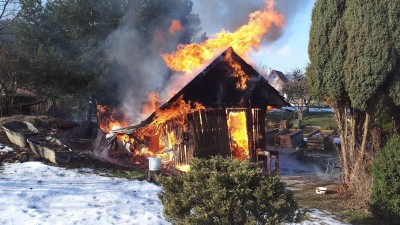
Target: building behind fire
x=277, y=79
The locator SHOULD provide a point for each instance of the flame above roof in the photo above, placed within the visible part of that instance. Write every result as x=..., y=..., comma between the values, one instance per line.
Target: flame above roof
x=218, y=86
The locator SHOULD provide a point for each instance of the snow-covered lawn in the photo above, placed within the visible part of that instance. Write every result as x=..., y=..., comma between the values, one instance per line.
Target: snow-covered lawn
x=34, y=193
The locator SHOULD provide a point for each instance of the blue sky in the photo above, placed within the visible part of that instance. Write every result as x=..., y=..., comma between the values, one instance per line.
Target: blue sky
x=286, y=53
x=291, y=50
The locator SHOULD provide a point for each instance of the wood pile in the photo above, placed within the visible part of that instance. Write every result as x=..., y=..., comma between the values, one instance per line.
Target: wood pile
x=289, y=138
x=270, y=136
x=11, y=152
x=320, y=140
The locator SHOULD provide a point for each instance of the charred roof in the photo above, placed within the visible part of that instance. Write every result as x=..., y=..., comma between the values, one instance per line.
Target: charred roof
x=220, y=86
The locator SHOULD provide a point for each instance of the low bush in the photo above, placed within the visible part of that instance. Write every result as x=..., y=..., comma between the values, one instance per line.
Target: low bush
x=225, y=191
x=385, y=201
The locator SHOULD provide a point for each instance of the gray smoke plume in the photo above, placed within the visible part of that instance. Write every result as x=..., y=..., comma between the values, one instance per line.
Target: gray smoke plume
x=224, y=14
x=137, y=67
x=135, y=71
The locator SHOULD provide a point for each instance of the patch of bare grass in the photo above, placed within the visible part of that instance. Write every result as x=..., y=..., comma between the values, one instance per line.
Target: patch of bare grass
x=338, y=199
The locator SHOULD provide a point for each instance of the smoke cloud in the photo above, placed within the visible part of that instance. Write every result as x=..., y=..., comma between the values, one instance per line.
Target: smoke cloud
x=137, y=67
x=134, y=72
x=224, y=14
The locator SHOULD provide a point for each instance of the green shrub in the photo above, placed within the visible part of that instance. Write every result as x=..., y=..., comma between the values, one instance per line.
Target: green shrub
x=385, y=202
x=225, y=191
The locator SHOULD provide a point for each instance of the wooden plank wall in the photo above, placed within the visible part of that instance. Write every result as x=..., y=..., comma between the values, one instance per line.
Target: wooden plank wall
x=290, y=138
x=183, y=154
x=251, y=134
x=320, y=142
x=184, y=148
x=207, y=134
x=209, y=130
x=259, y=139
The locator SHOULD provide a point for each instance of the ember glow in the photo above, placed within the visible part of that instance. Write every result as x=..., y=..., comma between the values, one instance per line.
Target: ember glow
x=152, y=104
x=269, y=108
x=238, y=133
x=110, y=119
x=175, y=27
x=191, y=56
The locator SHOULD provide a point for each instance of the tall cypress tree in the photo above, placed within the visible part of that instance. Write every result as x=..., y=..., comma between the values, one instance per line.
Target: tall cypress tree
x=354, y=54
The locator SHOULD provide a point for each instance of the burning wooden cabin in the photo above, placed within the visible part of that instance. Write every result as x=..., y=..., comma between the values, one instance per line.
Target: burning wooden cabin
x=221, y=111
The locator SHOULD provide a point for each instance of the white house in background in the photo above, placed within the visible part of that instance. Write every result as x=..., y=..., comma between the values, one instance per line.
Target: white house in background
x=277, y=80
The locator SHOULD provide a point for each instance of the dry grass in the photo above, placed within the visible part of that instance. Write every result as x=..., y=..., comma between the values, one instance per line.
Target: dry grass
x=325, y=120
x=338, y=200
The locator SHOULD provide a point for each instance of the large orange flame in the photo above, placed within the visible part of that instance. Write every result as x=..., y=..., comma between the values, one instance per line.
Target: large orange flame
x=152, y=104
x=238, y=132
x=190, y=57
x=237, y=72
x=110, y=119
x=176, y=110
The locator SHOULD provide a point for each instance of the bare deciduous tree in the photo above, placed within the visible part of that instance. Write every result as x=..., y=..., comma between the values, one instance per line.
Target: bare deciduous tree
x=297, y=91
x=8, y=62
x=9, y=12
x=12, y=76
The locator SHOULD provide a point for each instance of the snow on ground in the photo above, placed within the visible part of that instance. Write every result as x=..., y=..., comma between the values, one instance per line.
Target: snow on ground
x=34, y=193
x=317, y=217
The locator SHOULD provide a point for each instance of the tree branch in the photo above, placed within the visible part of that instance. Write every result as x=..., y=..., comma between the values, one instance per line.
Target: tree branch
x=14, y=13
x=3, y=11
